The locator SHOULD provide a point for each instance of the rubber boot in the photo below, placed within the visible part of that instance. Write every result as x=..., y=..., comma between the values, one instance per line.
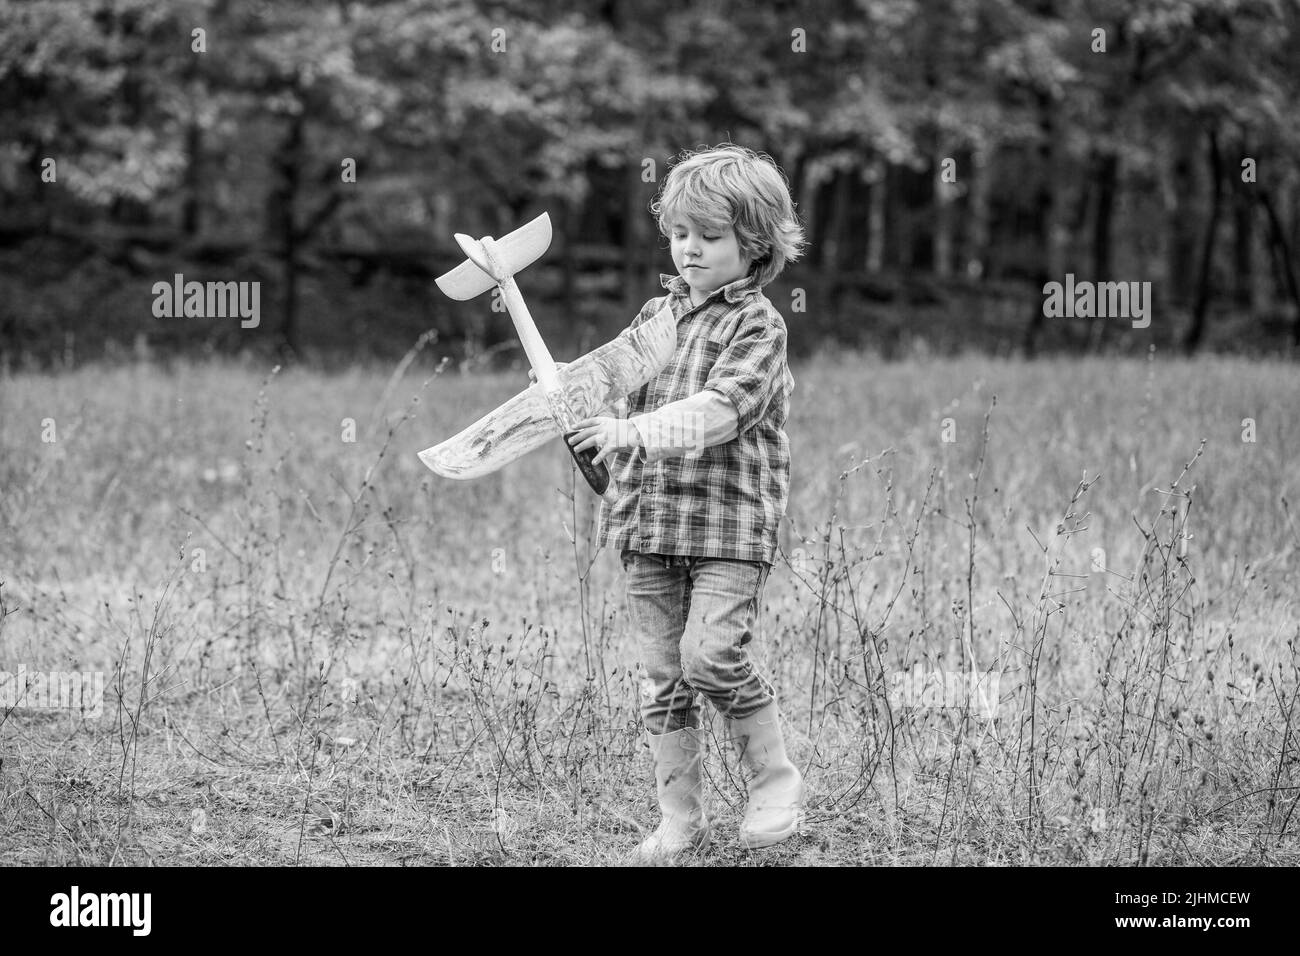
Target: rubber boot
x=684, y=826
x=775, y=787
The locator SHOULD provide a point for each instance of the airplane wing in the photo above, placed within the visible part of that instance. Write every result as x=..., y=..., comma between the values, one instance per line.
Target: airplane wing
x=591, y=383
x=514, y=252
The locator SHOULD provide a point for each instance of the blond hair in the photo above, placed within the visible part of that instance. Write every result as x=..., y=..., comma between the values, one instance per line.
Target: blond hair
x=733, y=186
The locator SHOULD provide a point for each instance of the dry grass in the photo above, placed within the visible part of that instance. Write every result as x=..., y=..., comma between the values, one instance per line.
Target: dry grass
x=369, y=664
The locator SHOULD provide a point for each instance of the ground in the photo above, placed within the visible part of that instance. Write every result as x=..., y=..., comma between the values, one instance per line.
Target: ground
x=314, y=650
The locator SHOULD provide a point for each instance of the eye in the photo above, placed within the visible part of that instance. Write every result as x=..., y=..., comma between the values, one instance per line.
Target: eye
x=712, y=238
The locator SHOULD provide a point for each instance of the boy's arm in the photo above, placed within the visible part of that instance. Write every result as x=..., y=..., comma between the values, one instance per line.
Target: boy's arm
x=748, y=371
x=740, y=386
x=689, y=425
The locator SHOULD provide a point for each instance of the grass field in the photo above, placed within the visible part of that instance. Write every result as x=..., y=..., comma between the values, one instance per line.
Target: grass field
x=314, y=650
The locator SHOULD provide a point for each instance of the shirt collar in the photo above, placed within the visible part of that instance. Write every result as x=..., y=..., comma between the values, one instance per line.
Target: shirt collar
x=733, y=292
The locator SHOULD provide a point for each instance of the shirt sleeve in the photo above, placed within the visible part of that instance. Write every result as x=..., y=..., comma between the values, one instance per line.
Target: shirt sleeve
x=682, y=427
x=748, y=371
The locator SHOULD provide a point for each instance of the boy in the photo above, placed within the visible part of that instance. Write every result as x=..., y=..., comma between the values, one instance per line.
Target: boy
x=702, y=473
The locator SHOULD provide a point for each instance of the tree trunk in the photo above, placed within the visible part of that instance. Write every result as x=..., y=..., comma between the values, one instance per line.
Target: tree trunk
x=1044, y=214
x=892, y=253
x=876, y=198
x=1106, y=177
x=808, y=209
x=568, y=267
x=1243, y=246
x=944, y=194
x=44, y=220
x=854, y=244
x=193, y=184
x=1243, y=254
x=283, y=225
x=837, y=229
x=1286, y=262
x=1180, y=203
x=918, y=214
x=191, y=204
x=1196, y=334
x=821, y=233
x=635, y=218
x=977, y=238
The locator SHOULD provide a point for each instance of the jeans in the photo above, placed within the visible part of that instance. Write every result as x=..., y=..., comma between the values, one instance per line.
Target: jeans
x=693, y=618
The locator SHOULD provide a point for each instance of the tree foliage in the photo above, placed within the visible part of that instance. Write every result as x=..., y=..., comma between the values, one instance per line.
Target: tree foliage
x=1107, y=138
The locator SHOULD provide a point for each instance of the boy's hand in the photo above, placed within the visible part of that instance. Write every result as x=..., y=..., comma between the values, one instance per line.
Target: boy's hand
x=607, y=435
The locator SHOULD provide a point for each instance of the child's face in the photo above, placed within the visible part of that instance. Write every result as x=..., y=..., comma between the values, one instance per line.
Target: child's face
x=706, y=258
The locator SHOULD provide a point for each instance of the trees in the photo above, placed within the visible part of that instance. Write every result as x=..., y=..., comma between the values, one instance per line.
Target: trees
x=954, y=142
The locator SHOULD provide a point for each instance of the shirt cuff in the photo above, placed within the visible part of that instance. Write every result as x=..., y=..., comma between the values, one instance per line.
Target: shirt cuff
x=640, y=438
x=650, y=439
x=742, y=399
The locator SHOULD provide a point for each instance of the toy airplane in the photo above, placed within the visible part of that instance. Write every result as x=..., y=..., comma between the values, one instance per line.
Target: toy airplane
x=561, y=397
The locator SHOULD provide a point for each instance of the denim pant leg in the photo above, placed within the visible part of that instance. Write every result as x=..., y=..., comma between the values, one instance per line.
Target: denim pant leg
x=725, y=598
x=657, y=595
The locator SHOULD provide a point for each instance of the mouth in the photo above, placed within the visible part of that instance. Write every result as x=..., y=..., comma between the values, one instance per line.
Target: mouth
x=693, y=267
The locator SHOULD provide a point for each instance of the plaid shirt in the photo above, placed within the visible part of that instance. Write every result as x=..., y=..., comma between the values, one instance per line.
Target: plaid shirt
x=725, y=500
